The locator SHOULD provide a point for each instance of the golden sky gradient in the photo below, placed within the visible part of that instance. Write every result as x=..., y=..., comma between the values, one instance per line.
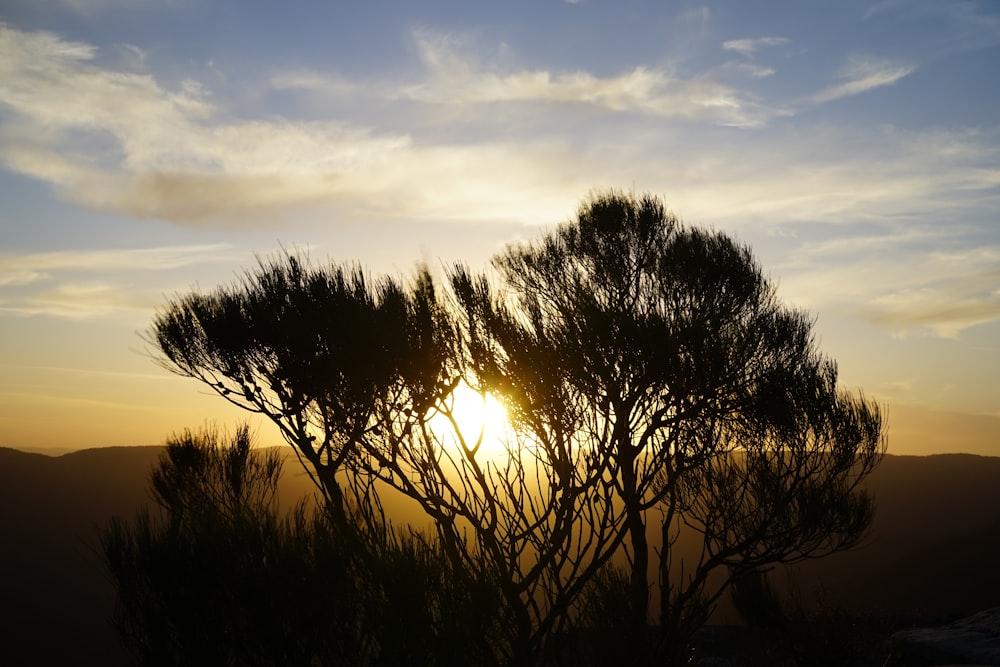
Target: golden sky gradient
x=151, y=147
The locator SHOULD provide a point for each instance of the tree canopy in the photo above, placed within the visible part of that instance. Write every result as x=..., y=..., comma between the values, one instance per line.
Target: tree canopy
x=657, y=388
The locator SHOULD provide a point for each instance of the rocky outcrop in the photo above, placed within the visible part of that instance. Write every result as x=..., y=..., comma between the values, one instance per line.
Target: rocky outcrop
x=971, y=641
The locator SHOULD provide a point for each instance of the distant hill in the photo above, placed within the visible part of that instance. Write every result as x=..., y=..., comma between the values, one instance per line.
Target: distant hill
x=53, y=583
x=934, y=546
x=55, y=593
x=931, y=553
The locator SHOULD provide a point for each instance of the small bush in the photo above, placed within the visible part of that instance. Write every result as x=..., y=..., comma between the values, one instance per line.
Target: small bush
x=215, y=574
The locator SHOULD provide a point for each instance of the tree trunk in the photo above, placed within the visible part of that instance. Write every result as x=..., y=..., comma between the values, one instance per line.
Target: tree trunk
x=636, y=526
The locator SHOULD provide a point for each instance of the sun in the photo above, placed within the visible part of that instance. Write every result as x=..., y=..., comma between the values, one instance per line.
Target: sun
x=477, y=418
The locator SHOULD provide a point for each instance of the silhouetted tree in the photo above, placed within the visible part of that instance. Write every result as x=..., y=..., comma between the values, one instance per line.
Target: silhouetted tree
x=334, y=360
x=352, y=372
x=654, y=382
x=687, y=388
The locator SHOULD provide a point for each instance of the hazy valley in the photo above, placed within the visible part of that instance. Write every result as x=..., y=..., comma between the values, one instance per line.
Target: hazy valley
x=931, y=553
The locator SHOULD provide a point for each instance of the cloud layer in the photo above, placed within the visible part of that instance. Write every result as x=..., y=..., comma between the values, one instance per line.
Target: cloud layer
x=478, y=139
x=129, y=144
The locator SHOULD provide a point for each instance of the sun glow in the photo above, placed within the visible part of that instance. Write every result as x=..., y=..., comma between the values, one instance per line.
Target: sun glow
x=474, y=420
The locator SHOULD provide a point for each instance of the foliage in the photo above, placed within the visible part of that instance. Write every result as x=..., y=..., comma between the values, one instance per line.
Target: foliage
x=219, y=576
x=665, y=355
x=656, y=387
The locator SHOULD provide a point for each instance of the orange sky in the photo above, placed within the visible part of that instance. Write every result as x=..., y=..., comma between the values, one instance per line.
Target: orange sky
x=149, y=148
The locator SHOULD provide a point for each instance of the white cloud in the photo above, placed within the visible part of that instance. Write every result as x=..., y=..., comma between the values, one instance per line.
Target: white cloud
x=81, y=300
x=457, y=79
x=861, y=75
x=126, y=144
x=953, y=291
x=138, y=148
x=829, y=176
x=314, y=81
x=78, y=283
x=873, y=278
x=747, y=69
x=899, y=212
x=13, y=277
x=141, y=259
x=748, y=47
x=129, y=145
x=941, y=310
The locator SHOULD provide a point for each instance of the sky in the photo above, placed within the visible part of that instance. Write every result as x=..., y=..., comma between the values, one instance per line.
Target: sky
x=153, y=147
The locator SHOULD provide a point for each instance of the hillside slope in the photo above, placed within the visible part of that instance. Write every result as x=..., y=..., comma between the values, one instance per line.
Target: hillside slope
x=56, y=595
x=930, y=552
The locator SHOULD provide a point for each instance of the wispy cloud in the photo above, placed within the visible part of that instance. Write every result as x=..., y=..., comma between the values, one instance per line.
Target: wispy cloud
x=456, y=78
x=314, y=81
x=82, y=284
x=882, y=7
x=130, y=145
x=81, y=300
x=905, y=221
x=748, y=47
x=15, y=276
x=861, y=75
x=953, y=290
x=748, y=70
x=936, y=310
x=23, y=269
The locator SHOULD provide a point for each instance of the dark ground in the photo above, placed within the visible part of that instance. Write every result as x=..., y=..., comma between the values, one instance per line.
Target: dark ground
x=931, y=557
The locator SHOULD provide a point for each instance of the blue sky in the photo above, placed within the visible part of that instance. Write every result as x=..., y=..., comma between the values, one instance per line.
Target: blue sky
x=151, y=146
